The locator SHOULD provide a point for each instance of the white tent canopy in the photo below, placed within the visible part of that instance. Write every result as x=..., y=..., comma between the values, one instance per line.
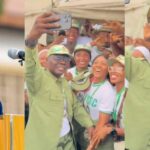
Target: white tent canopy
x=93, y=9
x=85, y=9
x=137, y=13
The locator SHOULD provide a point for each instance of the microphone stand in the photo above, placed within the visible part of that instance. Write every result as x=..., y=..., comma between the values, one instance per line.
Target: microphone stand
x=21, y=61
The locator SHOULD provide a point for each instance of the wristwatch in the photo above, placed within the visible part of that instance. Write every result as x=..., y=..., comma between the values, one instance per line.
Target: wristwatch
x=114, y=132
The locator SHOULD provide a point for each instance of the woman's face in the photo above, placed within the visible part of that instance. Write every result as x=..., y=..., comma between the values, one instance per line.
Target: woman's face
x=116, y=73
x=82, y=59
x=100, y=67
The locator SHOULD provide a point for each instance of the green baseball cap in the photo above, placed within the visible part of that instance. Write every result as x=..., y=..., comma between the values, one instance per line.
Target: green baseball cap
x=76, y=23
x=120, y=59
x=81, y=82
x=58, y=49
x=82, y=47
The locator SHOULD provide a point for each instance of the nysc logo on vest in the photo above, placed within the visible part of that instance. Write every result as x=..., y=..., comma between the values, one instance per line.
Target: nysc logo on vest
x=91, y=101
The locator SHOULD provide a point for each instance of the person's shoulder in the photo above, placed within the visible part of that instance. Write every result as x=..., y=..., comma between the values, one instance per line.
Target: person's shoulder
x=109, y=86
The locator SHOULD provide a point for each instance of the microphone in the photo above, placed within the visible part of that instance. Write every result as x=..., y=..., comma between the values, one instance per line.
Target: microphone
x=16, y=54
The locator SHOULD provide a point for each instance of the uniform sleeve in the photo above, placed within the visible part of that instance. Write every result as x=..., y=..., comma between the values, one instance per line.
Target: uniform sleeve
x=132, y=64
x=80, y=114
x=32, y=70
x=107, y=101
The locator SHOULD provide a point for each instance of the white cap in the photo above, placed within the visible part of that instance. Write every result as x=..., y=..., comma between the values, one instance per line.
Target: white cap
x=144, y=51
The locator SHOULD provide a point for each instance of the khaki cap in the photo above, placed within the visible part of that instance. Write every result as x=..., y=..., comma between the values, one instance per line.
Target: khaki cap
x=82, y=47
x=58, y=49
x=120, y=59
x=76, y=23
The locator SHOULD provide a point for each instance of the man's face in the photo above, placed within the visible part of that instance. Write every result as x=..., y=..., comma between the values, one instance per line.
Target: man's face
x=102, y=40
x=72, y=35
x=82, y=59
x=58, y=64
x=100, y=67
x=117, y=73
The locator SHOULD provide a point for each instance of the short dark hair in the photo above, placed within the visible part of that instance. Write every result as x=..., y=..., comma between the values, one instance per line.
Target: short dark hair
x=98, y=56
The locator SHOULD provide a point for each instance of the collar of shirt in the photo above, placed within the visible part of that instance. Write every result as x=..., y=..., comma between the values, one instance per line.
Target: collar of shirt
x=53, y=77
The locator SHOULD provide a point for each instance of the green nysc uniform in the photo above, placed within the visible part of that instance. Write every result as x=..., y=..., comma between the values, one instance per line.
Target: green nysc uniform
x=46, y=105
x=137, y=104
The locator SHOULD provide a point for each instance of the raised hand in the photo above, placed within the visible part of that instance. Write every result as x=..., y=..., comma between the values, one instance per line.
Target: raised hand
x=68, y=76
x=99, y=135
x=42, y=25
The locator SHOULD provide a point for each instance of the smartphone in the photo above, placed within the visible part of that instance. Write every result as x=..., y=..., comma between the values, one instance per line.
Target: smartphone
x=126, y=1
x=65, y=21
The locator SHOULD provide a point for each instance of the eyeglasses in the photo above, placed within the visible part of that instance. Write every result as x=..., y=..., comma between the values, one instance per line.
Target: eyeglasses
x=115, y=69
x=60, y=58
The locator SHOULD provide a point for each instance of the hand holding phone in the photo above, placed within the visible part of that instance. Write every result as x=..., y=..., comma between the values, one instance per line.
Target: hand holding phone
x=64, y=22
x=43, y=24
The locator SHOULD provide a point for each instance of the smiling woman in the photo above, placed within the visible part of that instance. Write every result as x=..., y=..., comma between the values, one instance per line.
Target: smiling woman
x=98, y=103
x=100, y=68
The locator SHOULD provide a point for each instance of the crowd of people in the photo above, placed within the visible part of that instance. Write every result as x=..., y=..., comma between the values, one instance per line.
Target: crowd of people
x=76, y=86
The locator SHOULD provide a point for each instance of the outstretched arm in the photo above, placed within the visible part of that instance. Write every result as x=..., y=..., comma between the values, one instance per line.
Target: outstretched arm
x=42, y=25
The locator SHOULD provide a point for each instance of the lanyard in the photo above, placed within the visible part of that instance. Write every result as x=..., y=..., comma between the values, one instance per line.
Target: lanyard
x=118, y=98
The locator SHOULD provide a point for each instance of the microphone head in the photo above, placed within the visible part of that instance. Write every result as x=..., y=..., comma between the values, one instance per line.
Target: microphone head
x=16, y=54
x=12, y=53
x=21, y=54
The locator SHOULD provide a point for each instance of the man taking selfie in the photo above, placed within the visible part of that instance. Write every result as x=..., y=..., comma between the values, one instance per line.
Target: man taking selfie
x=52, y=103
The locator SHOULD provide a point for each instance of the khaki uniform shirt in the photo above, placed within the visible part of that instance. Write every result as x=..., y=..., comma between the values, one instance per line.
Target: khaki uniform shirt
x=46, y=105
x=137, y=104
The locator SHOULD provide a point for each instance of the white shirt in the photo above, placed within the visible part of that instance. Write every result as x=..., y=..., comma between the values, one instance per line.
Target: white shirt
x=84, y=40
x=65, y=124
x=100, y=98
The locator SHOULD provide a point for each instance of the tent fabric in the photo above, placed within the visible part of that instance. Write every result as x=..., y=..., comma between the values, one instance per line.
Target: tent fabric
x=83, y=9
x=93, y=9
x=36, y=6
x=136, y=15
